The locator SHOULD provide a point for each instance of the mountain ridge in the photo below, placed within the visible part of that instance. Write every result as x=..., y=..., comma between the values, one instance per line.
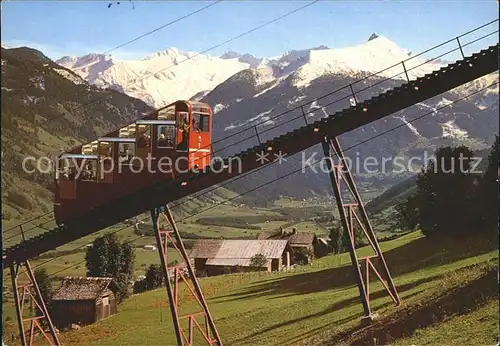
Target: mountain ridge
x=171, y=74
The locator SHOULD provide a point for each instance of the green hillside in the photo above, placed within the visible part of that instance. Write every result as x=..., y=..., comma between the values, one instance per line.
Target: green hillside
x=444, y=284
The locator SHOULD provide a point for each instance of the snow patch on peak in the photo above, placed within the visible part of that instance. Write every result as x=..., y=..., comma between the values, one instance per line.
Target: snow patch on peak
x=263, y=118
x=84, y=60
x=265, y=75
x=67, y=60
x=372, y=56
x=451, y=130
x=296, y=100
x=272, y=86
x=443, y=102
x=171, y=52
x=409, y=125
x=218, y=107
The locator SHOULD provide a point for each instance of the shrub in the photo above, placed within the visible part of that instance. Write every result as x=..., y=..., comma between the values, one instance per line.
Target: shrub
x=44, y=284
x=109, y=257
x=154, y=276
x=340, y=243
x=140, y=286
x=446, y=201
x=303, y=255
x=258, y=261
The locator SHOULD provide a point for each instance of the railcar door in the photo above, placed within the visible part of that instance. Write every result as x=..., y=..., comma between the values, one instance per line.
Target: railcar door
x=183, y=129
x=126, y=151
x=66, y=178
x=143, y=141
x=182, y=123
x=166, y=135
x=199, y=138
x=106, y=162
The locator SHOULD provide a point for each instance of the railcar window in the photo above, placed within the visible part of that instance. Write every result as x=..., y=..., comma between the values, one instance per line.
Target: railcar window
x=131, y=131
x=87, y=149
x=144, y=137
x=66, y=169
x=105, y=149
x=90, y=149
x=127, y=152
x=200, y=122
x=166, y=136
x=94, y=145
x=89, y=172
x=123, y=132
x=167, y=113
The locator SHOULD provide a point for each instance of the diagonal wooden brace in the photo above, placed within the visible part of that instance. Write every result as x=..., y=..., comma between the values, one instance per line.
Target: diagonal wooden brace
x=171, y=237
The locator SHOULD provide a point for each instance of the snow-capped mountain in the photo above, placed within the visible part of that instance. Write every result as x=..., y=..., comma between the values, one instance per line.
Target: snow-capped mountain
x=170, y=75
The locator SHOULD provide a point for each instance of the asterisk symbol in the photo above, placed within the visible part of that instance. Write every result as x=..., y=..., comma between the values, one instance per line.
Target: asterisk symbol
x=262, y=157
x=281, y=157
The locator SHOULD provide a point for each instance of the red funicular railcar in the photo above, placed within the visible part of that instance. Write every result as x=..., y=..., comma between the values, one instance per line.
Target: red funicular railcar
x=167, y=142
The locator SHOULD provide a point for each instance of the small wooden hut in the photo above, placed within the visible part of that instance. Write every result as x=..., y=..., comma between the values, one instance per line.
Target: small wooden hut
x=83, y=300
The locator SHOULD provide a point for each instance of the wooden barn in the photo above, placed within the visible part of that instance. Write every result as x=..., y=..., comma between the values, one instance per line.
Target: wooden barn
x=298, y=240
x=220, y=256
x=83, y=300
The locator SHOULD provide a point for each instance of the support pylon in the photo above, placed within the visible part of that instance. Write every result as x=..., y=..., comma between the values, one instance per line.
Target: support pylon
x=351, y=221
x=31, y=291
x=173, y=275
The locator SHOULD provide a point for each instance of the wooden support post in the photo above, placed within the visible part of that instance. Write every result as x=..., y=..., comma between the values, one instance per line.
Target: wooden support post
x=31, y=291
x=340, y=173
x=171, y=236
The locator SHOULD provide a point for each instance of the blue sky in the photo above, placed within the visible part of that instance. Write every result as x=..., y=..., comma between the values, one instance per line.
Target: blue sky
x=78, y=28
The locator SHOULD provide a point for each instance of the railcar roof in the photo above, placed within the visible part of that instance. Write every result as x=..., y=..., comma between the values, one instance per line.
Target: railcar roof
x=141, y=118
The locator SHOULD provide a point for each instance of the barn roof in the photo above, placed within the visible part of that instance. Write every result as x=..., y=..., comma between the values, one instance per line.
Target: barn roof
x=82, y=288
x=240, y=252
x=296, y=239
x=205, y=248
x=301, y=238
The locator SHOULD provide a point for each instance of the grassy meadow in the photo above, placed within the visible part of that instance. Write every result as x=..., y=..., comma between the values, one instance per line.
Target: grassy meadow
x=445, y=284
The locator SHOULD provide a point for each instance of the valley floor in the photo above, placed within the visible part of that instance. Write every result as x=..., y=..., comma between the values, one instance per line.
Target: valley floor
x=448, y=288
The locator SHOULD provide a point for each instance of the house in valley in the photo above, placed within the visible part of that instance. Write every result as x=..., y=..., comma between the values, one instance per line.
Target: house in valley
x=149, y=247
